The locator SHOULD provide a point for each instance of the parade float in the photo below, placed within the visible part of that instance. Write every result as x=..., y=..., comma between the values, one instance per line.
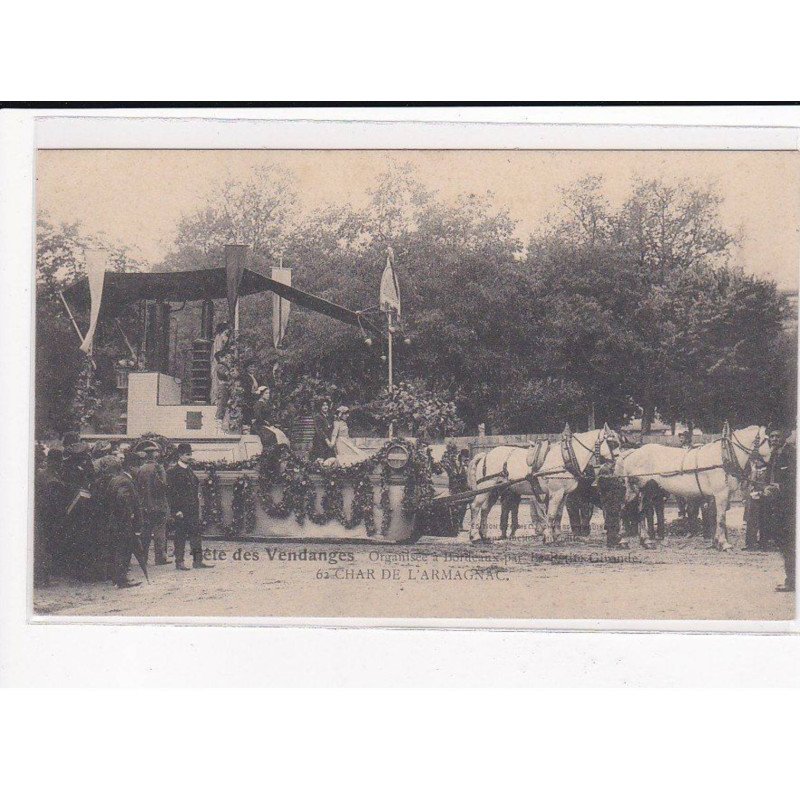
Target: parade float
x=247, y=493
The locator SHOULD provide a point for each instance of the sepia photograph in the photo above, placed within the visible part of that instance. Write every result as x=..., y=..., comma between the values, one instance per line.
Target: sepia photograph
x=358, y=389
x=418, y=384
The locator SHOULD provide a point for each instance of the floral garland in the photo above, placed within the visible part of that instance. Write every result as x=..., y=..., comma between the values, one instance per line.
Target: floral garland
x=419, y=484
x=85, y=401
x=211, y=515
x=450, y=463
x=299, y=493
x=386, y=507
x=244, y=507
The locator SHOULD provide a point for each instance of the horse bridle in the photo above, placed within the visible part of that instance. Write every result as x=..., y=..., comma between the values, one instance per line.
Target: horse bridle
x=734, y=439
x=753, y=454
x=594, y=451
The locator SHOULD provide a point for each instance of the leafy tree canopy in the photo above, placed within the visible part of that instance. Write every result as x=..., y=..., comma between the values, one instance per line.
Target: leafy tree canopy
x=608, y=309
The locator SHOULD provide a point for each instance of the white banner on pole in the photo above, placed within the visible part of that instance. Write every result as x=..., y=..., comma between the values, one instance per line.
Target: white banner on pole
x=96, y=263
x=389, y=299
x=280, y=306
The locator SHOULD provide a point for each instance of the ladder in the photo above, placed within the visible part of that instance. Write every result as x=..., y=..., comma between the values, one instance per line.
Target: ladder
x=201, y=371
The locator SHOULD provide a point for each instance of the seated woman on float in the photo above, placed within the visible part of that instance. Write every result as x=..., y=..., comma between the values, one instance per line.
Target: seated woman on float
x=347, y=453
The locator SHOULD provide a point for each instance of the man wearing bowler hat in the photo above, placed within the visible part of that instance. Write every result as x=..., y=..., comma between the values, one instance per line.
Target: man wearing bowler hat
x=182, y=489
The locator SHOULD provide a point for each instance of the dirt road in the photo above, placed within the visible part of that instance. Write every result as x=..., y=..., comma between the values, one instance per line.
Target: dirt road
x=449, y=578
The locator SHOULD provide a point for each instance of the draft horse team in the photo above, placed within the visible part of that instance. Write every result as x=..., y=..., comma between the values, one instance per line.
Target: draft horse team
x=620, y=478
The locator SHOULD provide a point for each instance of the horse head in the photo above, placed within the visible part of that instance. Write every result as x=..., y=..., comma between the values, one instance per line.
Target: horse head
x=608, y=444
x=760, y=445
x=750, y=443
x=597, y=446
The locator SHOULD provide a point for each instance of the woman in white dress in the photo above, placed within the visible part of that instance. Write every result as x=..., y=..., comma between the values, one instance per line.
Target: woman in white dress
x=346, y=452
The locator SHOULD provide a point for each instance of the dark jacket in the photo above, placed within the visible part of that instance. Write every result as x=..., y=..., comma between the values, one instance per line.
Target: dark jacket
x=262, y=415
x=125, y=510
x=53, y=496
x=249, y=397
x=781, y=470
x=323, y=428
x=262, y=419
x=78, y=471
x=151, y=481
x=182, y=487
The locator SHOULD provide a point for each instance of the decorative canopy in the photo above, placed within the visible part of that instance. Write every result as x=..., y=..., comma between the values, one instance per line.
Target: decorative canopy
x=122, y=288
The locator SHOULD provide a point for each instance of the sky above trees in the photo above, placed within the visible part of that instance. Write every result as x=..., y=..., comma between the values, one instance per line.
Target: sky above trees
x=137, y=198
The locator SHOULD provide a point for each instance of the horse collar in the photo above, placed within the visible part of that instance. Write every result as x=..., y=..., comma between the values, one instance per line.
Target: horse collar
x=730, y=463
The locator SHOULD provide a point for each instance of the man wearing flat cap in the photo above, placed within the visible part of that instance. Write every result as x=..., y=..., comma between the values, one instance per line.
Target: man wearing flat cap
x=151, y=481
x=182, y=495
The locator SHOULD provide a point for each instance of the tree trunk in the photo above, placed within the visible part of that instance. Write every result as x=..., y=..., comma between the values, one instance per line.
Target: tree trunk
x=648, y=412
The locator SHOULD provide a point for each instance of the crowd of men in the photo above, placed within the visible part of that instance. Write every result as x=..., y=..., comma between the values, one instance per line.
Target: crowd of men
x=96, y=509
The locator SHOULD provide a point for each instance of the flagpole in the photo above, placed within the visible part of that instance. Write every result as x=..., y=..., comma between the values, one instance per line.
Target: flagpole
x=391, y=353
x=71, y=318
x=389, y=301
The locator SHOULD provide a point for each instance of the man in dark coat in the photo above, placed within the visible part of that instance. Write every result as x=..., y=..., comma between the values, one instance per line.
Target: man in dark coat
x=78, y=476
x=252, y=392
x=755, y=472
x=125, y=519
x=611, y=494
x=182, y=494
x=107, y=462
x=51, y=502
x=151, y=482
x=579, y=507
x=778, y=502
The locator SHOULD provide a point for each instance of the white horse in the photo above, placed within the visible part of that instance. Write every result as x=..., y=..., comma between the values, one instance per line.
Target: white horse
x=710, y=470
x=489, y=469
x=555, y=481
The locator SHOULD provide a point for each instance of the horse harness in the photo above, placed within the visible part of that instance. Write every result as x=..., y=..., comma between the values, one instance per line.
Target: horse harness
x=730, y=464
x=502, y=474
x=541, y=451
x=571, y=461
x=696, y=470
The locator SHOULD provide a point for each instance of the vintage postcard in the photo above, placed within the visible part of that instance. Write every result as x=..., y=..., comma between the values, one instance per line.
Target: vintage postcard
x=423, y=384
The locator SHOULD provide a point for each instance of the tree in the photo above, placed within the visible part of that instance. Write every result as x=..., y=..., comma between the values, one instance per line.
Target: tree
x=610, y=309
x=58, y=359
x=258, y=212
x=651, y=307
x=453, y=261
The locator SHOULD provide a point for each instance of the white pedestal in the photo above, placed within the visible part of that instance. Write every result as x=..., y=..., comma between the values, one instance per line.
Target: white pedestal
x=154, y=406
